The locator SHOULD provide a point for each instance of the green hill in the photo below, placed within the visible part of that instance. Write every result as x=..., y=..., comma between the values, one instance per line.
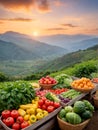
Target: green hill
x=71, y=59
x=27, y=67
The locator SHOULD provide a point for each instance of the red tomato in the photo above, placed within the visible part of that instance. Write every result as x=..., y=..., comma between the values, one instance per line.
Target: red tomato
x=14, y=113
x=50, y=108
x=9, y=121
x=44, y=107
x=19, y=119
x=47, y=102
x=56, y=104
x=24, y=124
x=39, y=106
x=6, y=113
x=16, y=126
x=40, y=102
x=43, y=98
x=51, y=103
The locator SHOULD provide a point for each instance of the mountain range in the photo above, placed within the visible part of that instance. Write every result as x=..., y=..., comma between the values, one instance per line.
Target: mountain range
x=18, y=46
x=70, y=42
x=22, y=54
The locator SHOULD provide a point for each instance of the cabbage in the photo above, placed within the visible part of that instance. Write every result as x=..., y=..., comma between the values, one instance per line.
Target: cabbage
x=64, y=79
x=68, y=81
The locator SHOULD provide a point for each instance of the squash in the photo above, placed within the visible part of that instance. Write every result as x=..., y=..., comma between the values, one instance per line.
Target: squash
x=68, y=109
x=87, y=114
x=73, y=118
x=79, y=107
x=62, y=113
x=88, y=105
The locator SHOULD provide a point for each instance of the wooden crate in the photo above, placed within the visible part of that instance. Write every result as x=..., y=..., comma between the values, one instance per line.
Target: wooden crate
x=38, y=123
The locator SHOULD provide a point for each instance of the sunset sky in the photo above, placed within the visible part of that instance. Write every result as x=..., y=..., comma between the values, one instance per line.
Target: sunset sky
x=47, y=17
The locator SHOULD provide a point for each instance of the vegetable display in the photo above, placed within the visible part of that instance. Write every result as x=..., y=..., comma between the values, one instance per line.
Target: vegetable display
x=75, y=115
x=22, y=104
x=12, y=95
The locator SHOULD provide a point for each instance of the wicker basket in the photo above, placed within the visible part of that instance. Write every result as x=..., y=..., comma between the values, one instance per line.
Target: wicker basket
x=67, y=126
x=82, y=90
x=47, y=86
x=95, y=99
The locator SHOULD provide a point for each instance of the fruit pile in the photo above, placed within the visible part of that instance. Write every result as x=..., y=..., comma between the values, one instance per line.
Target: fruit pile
x=82, y=84
x=47, y=80
x=48, y=105
x=13, y=120
x=56, y=91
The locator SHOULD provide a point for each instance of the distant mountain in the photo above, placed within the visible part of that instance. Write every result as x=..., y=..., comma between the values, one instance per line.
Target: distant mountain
x=10, y=51
x=84, y=44
x=70, y=42
x=28, y=47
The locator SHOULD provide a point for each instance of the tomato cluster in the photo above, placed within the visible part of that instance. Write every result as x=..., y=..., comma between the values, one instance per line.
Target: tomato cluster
x=55, y=91
x=58, y=91
x=13, y=120
x=47, y=80
x=48, y=105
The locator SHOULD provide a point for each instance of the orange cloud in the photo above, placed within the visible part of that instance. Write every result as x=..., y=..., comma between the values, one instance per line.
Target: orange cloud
x=1, y=22
x=41, y=5
x=18, y=19
x=53, y=29
x=91, y=31
x=69, y=25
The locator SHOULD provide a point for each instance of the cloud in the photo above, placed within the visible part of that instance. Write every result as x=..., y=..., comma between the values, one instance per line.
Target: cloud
x=1, y=22
x=41, y=5
x=53, y=29
x=18, y=19
x=91, y=31
x=69, y=25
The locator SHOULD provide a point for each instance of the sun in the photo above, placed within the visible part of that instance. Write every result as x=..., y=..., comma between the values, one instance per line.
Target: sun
x=35, y=34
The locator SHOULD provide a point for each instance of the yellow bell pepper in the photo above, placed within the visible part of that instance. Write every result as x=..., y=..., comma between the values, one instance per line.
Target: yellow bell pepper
x=28, y=111
x=45, y=113
x=35, y=106
x=39, y=110
x=32, y=111
x=32, y=118
x=39, y=115
x=27, y=106
x=26, y=117
x=21, y=112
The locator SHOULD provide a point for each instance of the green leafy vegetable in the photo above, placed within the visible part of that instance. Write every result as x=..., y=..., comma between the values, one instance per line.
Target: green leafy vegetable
x=13, y=94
